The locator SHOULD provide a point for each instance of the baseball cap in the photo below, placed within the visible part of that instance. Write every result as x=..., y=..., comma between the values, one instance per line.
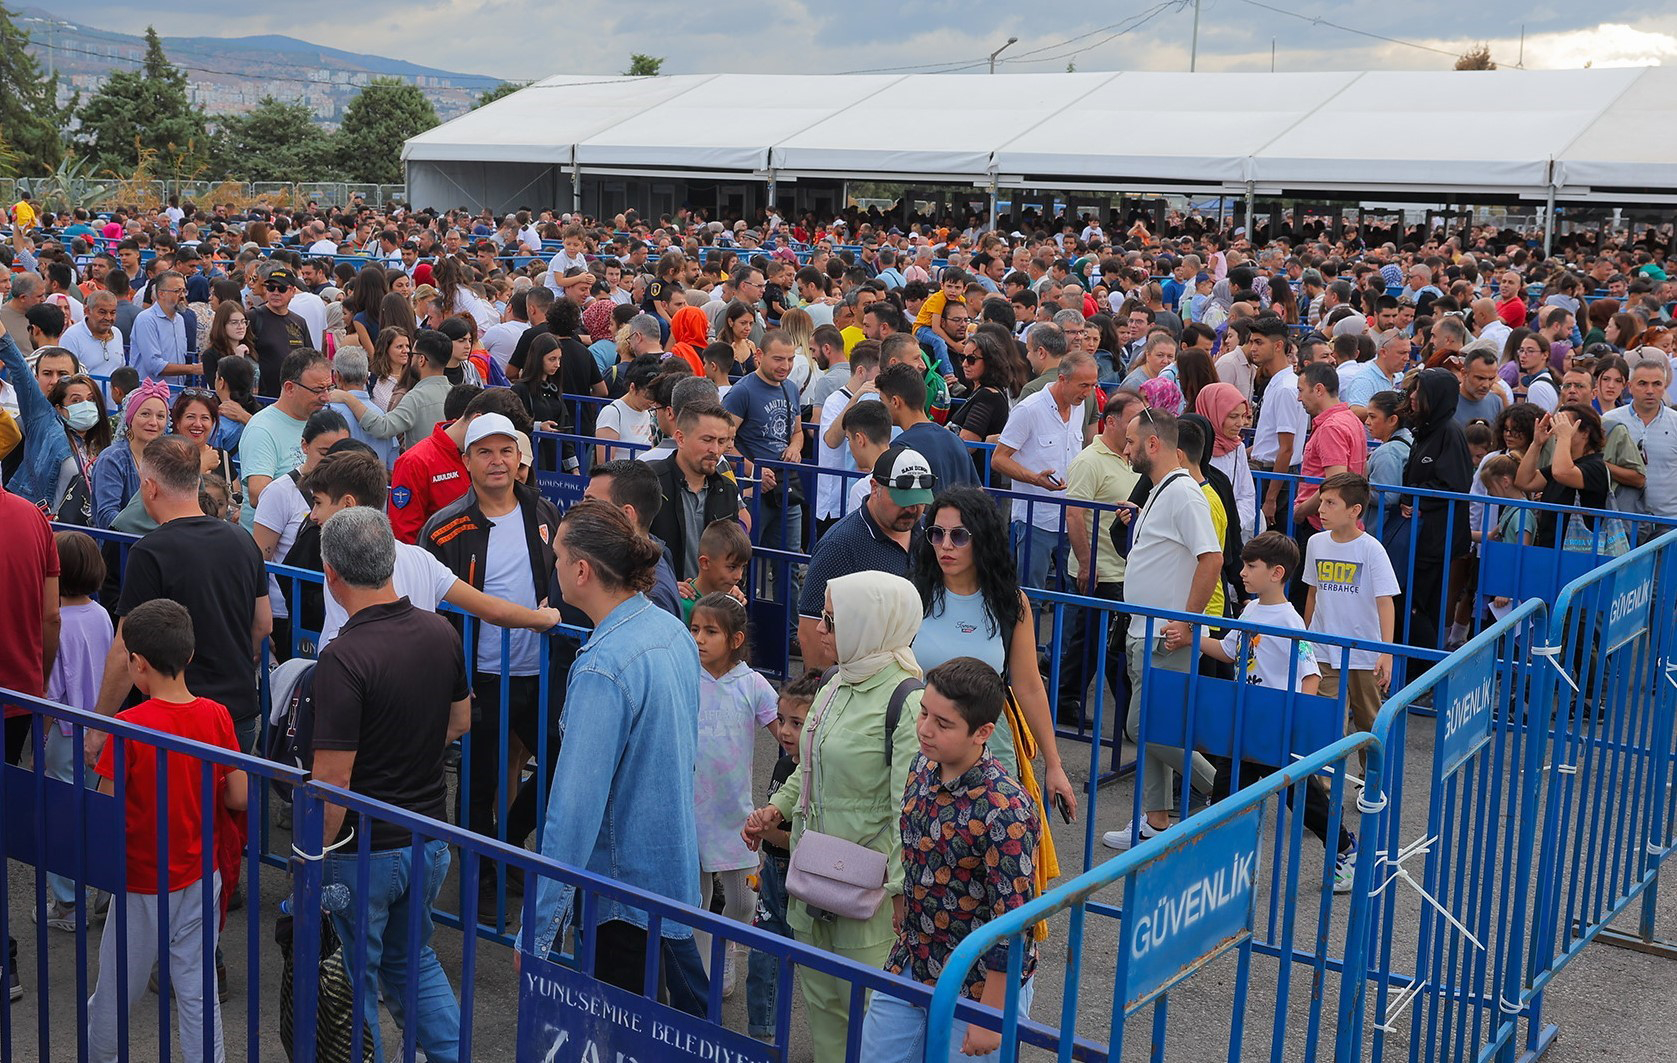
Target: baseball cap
x=907, y=476
x=490, y=424
x=280, y=275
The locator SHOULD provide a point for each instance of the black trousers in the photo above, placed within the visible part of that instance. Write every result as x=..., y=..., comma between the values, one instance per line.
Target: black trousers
x=620, y=960
x=526, y=719
x=1318, y=808
x=1079, y=652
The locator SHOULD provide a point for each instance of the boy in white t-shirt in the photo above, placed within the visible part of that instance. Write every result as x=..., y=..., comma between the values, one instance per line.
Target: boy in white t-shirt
x=1352, y=593
x=568, y=259
x=1267, y=562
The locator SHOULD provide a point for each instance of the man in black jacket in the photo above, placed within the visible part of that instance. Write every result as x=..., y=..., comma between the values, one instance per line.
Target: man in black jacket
x=498, y=537
x=1438, y=461
x=695, y=492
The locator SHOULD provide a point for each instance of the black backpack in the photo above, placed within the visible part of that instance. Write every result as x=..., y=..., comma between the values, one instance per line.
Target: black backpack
x=305, y=553
x=291, y=739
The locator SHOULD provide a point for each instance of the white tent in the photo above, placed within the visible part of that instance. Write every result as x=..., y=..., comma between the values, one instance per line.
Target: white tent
x=1574, y=134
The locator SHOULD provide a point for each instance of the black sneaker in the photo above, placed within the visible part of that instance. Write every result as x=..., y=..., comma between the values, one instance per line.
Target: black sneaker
x=14, y=984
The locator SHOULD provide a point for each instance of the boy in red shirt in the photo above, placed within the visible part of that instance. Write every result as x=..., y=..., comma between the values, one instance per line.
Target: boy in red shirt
x=159, y=639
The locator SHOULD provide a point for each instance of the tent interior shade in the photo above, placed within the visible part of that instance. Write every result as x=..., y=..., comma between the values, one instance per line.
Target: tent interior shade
x=1491, y=131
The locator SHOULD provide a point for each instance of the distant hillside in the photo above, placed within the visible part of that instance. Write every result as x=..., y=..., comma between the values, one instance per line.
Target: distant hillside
x=230, y=74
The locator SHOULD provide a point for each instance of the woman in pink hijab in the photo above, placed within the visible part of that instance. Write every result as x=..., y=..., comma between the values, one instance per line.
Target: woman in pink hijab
x=1229, y=413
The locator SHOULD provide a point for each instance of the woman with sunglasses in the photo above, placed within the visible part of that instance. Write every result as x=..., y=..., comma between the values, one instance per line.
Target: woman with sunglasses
x=969, y=590
x=989, y=364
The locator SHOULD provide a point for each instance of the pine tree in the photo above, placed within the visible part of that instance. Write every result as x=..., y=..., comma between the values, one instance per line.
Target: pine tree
x=145, y=110
x=274, y=141
x=29, y=113
x=376, y=123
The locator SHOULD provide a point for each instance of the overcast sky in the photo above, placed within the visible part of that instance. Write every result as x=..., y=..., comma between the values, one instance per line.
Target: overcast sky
x=526, y=39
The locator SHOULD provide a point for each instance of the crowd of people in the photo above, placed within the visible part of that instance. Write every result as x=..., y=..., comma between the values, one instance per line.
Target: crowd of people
x=1311, y=429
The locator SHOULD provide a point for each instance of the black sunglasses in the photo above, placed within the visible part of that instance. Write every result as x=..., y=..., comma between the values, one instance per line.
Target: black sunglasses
x=971, y=359
x=909, y=481
x=278, y=287
x=957, y=536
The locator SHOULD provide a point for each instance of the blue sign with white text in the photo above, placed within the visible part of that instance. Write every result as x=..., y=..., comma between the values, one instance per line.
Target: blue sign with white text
x=1466, y=703
x=1628, y=608
x=563, y=489
x=1189, y=906
x=564, y=1016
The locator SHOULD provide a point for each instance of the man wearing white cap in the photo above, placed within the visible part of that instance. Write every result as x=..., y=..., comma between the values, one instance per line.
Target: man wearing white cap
x=498, y=537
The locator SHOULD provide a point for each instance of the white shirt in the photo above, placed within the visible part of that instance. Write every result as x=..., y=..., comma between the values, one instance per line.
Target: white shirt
x=99, y=359
x=1166, y=540
x=1658, y=442
x=830, y=489
x=1349, y=578
x=560, y=264
x=1282, y=412
x=530, y=238
x=1271, y=662
x=312, y=309
x=500, y=340
x=323, y=246
x=281, y=510
x=1497, y=331
x=506, y=574
x=631, y=425
x=419, y=577
x=1042, y=439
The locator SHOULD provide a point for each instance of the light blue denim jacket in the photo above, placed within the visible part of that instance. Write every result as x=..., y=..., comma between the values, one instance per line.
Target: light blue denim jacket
x=621, y=803
x=45, y=446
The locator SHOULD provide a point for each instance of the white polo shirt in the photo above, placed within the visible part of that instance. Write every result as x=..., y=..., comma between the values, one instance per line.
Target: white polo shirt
x=1042, y=439
x=1281, y=412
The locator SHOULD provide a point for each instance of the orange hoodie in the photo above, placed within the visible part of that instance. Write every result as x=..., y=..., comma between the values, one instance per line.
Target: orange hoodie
x=689, y=333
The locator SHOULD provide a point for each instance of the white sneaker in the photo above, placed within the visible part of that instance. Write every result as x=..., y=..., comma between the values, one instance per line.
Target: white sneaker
x=1130, y=836
x=1345, y=870
x=728, y=972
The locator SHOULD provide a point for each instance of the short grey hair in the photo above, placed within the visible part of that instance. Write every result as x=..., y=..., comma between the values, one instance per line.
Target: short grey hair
x=1069, y=319
x=351, y=365
x=691, y=389
x=99, y=297
x=1074, y=361
x=358, y=545
x=24, y=285
x=647, y=326
x=1050, y=338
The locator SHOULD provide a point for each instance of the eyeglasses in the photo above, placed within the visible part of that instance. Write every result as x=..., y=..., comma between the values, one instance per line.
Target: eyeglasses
x=909, y=481
x=323, y=389
x=957, y=536
x=827, y=618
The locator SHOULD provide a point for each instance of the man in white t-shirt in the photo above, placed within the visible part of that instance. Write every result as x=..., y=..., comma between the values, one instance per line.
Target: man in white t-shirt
x=832, y=451
x=501, y=339
x=344, y=479
x=1035, y=449
x=1174, y=563
x=1278, y=443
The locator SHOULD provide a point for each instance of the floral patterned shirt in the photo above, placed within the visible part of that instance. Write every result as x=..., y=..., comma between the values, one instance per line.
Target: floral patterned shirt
x=968, y=857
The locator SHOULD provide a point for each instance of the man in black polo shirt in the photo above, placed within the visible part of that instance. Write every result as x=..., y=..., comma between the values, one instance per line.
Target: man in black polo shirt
x=390, y=695
x=876, y=536
x=274, y=330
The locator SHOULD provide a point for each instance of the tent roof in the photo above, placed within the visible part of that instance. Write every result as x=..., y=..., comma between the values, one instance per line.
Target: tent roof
x=1496, y=131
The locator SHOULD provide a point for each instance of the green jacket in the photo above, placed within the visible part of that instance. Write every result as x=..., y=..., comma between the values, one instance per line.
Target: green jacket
x=857, y=799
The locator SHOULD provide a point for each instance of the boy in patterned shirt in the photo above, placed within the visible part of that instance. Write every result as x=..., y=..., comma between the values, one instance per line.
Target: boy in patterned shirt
x=969, y=833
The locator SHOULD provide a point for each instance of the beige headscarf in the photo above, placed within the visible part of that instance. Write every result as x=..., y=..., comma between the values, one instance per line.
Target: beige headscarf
x=875, y=618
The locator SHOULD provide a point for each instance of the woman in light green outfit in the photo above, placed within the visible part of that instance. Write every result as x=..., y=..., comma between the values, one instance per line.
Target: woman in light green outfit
x=871, y=618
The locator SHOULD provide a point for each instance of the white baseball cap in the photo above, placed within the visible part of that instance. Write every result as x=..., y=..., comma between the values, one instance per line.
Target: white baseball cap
x=490, y=424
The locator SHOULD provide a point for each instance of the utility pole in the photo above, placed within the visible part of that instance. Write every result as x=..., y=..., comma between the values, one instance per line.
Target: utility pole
x=1194, y=45
x=1011, y=41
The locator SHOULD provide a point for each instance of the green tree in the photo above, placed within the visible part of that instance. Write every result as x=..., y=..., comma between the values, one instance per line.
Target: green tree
x=376, y=123
x=1476, y=58
x=29, y=112
x=144, y=112
x=644, y=66
x=274, y=141
x=505, y=88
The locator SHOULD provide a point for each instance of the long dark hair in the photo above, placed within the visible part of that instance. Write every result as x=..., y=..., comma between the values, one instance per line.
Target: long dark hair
x=371, y=286
x=998, y=579
x=1194, y=373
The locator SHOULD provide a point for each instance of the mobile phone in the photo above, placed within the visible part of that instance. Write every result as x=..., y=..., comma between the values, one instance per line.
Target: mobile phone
x=1063, y=807
x=1054, y=479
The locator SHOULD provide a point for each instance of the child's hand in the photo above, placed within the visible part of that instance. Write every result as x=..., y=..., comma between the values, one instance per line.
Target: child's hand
x=1383, y=671
x=1501, y=602
x=761, y=821
x=980, y=1042
x=687, y=591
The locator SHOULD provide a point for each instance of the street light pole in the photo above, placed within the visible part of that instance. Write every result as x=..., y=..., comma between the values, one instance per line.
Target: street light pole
x=1194, y=47
x=1011, y=41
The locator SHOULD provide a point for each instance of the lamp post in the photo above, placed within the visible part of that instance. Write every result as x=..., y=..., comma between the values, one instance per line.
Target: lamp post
x=1011, y=41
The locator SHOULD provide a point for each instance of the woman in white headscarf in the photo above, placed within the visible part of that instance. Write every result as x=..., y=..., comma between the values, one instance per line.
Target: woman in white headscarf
x=850, y=777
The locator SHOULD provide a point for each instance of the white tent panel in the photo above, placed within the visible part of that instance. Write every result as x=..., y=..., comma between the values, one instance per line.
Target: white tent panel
x=1482, y=129
x=542, y=122
x=1169, y=126
x=932, y=123
x=1628, y=145
x=727, y=122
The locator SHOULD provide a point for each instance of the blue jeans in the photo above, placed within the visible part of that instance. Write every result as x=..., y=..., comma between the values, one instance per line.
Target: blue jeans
x=1037, y=549
x=940, y=348
x=390, y=893
x=782, y=529
x=762, y=979
x=895, y=1031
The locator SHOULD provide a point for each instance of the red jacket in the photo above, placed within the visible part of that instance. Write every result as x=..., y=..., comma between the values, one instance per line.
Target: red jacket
x=426, y=478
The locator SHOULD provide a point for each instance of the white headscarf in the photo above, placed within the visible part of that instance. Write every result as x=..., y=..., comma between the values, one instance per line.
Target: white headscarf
x=875, y=618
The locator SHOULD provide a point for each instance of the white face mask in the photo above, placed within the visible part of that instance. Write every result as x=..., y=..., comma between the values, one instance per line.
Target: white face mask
x=81, y=416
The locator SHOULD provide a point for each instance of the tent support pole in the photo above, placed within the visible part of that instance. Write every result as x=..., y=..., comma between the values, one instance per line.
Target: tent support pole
x=1251, y=205
x=576, y=185
x=774, y=186
x=1549, y=220
x=993, y=197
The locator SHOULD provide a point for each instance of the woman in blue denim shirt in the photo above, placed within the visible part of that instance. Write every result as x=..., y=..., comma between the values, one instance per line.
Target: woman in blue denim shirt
x=621, y=803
